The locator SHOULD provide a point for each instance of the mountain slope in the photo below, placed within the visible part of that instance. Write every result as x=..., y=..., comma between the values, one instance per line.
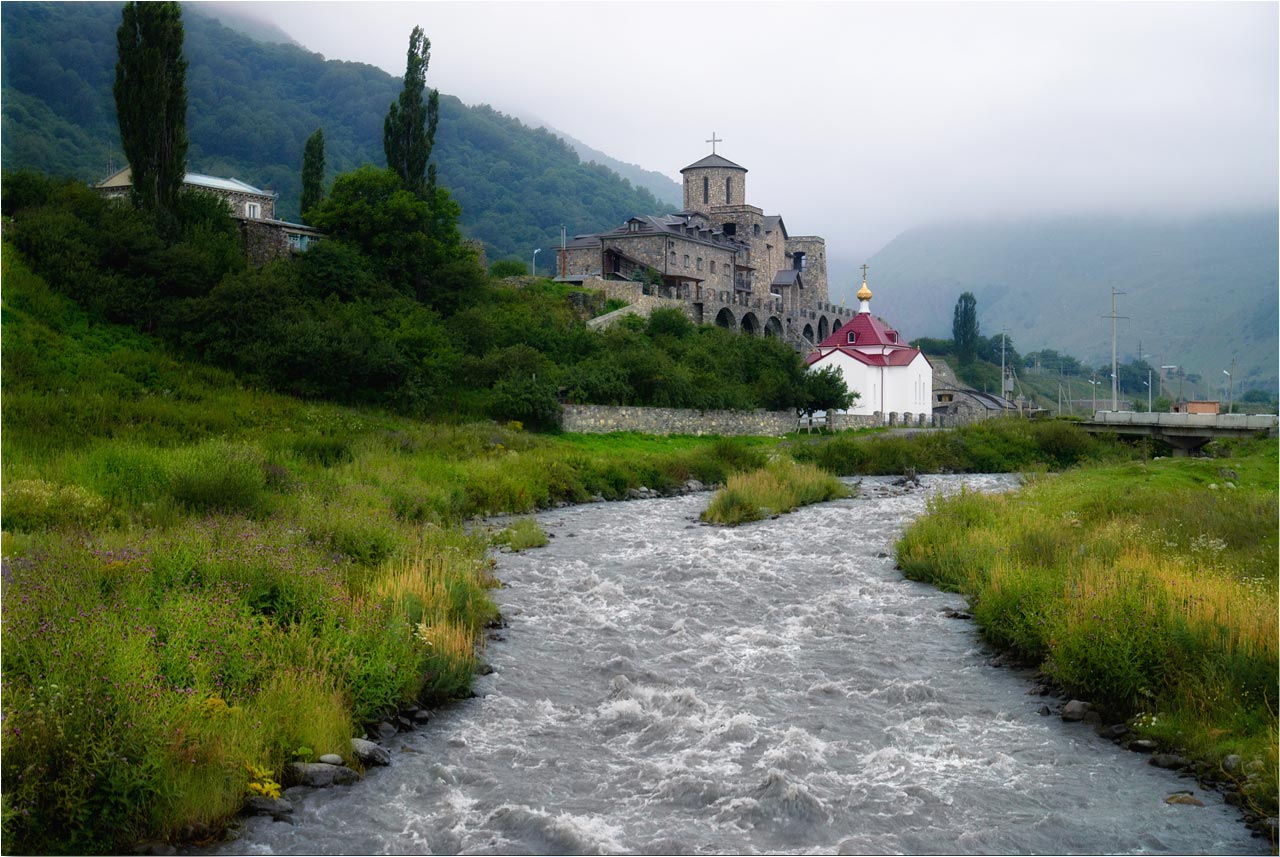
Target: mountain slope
x=1198, y=290
x=251, y=107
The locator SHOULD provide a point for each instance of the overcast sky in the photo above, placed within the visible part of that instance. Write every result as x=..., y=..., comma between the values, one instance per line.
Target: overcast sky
x=860, y=120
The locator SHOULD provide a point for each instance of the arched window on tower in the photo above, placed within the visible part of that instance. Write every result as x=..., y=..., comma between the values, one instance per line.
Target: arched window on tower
x=706, y=190
x=728, y=189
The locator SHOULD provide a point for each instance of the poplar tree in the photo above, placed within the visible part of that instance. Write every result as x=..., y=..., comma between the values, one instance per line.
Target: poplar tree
x=312, y=172
x=410, y=128
x=151, y=102
x=964, y=327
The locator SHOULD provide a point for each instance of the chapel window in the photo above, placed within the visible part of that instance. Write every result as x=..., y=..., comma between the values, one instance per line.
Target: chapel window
x=728, y=186
x=852, y=337
x=706, y=189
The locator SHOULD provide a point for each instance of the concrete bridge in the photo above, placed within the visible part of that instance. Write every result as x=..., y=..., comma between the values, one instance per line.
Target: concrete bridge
x=1184, y=432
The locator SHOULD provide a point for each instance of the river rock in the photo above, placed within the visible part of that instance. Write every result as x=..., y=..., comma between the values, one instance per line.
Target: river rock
x=694, y=485
x=330, y=759
x=1043, y=711
x=383, y=731
x=369, y=753
x=422, y=715
x=1113, y=731
x=1169, y=760
x=319, y=775
x=277, y=808
x=1231, y=764
x=1183, y=799
x=1075, y=710
x=1142, y=745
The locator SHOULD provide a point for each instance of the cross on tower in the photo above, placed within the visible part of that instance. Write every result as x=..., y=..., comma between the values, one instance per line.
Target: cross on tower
x=713, y=142
x=864, y=270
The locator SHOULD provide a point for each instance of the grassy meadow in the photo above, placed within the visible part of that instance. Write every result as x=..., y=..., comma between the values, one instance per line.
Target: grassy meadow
x=1146, y=587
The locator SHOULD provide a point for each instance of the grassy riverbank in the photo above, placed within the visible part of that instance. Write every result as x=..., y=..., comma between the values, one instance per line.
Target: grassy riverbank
x=1149, y=588
x=775, y=489
x=203, y=582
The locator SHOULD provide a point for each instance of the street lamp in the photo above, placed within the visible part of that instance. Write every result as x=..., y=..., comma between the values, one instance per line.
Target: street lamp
x=1231, y=389
x=1148, y=383
x=1093, y=391
x=533, y=268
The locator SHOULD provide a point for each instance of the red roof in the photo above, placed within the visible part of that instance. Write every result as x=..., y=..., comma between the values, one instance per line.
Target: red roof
x=896, y=357
x=871, y=333
x=869, y=330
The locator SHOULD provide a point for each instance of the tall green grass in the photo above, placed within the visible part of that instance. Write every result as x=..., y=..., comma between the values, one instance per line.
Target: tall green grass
x=777, y=488
x=1148, y=588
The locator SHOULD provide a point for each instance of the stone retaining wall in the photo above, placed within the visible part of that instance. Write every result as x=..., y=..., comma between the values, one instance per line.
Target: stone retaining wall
x=602, y=419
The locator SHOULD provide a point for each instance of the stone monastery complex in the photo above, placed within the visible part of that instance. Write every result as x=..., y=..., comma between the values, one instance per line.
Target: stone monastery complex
x=726, y=262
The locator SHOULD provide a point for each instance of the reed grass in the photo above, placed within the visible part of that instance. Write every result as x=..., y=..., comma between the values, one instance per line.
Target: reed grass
x=780, y=487
x=1150, y=589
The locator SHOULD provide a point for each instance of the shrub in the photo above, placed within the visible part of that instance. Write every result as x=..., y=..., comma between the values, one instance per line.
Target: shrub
x=217, y=476
x=34, y=504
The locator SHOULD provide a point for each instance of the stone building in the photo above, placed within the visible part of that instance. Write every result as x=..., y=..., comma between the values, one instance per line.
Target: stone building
x=265, y=237
x=730, y=263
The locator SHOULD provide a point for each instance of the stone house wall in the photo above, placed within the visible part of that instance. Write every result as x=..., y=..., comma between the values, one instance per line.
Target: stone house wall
x=815, y=269
x=601, y=419
x=715, y=184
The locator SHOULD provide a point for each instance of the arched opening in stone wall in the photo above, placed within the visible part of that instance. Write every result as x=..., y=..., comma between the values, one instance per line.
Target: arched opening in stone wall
x=824, y=329
x=725, y=319
x=773, y=327
x=751, y=324
x=808, y=332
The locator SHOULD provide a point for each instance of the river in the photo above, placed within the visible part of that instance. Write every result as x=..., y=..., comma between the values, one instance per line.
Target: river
x=669, y=687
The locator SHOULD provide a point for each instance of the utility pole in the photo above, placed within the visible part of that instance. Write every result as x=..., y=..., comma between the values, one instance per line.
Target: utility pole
x=1002, y=331
x=1115, y=378
x=1148, y=391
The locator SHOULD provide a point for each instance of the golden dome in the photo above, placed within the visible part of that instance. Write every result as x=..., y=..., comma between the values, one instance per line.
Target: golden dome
x=864, y=293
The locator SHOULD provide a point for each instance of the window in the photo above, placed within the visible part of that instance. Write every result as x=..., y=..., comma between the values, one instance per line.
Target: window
x=713, y=266
x=706, y=189
x=673, y=257
x=728, y=185
x=756, y=229
x=730, y=229
x=798, y=260
x=635, y=227
x=253, y=210
x=852, y=337
x=686, y=260
x=699, y=263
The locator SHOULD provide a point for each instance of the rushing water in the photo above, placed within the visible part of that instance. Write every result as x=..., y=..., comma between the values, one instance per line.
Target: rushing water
x=668, y=687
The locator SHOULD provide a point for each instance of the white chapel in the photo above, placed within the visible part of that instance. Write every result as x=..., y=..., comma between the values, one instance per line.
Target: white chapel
x=888, y=374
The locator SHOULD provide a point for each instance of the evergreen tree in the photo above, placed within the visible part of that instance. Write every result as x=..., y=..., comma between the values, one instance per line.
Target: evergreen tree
x=312, y=173
x=151, y=102
x=409, y=131
x=964, y=327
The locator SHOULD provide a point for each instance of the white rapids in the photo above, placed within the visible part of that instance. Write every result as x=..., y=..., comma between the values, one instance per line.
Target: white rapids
x=666, y=687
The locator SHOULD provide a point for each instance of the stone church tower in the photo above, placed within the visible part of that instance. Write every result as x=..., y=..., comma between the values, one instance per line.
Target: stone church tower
x=714, y=181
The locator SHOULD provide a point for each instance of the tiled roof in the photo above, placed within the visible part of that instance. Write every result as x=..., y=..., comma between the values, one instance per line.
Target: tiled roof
x=674, y=225
x=233, y=185
x=869, y=330
x=714, y=161
x=896, y=357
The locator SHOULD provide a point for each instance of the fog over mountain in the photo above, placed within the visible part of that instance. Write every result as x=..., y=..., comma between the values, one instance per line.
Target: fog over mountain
x=859, y=121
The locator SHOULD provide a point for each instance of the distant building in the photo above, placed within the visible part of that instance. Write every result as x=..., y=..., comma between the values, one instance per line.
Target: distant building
x=727, y=261
x=265, y=237
x=890, y=376
x=1197, y=408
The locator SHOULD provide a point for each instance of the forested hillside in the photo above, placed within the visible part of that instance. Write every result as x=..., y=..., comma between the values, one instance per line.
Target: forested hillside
x=252, y=107
x=1199, y=291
